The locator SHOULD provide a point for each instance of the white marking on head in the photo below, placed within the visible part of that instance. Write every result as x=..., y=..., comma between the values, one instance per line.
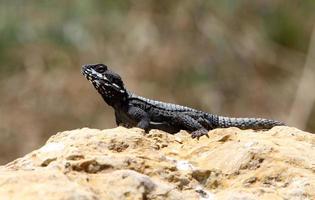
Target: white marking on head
x=97, y=83
x=99, y=75
x=115, y=85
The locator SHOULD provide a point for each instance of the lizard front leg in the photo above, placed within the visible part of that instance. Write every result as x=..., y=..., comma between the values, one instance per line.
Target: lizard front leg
x=118, y=119
x=141, y=117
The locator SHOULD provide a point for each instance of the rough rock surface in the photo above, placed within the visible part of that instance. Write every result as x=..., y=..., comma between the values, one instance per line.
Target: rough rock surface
x=125, y=163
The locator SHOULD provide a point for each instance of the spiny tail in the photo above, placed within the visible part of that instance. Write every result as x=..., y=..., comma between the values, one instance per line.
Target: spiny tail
x=244, y=123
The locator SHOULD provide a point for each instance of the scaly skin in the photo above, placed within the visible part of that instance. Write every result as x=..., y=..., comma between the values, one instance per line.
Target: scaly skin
x=135, y=111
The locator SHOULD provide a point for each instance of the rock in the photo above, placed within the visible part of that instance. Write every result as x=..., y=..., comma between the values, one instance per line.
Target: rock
x=125, y=163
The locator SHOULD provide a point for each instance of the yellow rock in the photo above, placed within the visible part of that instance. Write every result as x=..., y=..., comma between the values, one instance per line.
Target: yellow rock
x=125, y=163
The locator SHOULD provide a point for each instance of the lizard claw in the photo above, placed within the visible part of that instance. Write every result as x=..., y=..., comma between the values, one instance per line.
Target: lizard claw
x=198, y=133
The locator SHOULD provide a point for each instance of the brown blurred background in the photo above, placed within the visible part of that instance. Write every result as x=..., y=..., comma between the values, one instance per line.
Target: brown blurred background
x=234, y=58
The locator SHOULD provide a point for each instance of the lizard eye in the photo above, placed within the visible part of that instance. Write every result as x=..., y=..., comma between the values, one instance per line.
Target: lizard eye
x=101, y=68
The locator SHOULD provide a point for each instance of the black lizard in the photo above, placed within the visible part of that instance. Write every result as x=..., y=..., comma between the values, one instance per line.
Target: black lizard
x=136, y=111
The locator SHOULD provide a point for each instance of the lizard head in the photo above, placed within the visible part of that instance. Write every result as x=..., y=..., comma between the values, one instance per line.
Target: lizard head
x=106, y=82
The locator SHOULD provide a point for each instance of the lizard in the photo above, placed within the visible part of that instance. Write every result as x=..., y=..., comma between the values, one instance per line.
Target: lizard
x=132, y=110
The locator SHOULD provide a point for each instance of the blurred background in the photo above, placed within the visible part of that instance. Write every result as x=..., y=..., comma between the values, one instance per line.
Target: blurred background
x=233, y=58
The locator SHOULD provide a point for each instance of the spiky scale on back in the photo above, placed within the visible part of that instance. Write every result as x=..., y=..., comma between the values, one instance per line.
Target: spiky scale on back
x=132, y=110
x=161, y=105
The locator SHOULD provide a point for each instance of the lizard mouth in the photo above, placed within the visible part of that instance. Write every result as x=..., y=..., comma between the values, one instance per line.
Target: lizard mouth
x=92, y=75
x=99, y=79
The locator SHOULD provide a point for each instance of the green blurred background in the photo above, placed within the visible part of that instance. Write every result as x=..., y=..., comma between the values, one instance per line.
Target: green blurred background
x=234, y=58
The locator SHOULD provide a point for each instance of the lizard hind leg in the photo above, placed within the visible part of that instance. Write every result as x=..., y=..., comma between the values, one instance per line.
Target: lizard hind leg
x=192, y=125
x=198, y=133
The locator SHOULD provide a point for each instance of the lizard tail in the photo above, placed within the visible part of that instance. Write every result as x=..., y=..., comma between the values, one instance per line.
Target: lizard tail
x=245, y=123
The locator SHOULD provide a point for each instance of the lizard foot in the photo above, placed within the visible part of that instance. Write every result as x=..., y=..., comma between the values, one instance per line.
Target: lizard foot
x=198, y=133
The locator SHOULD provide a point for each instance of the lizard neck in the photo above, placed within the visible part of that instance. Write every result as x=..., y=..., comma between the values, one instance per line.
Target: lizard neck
x=117, y=101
